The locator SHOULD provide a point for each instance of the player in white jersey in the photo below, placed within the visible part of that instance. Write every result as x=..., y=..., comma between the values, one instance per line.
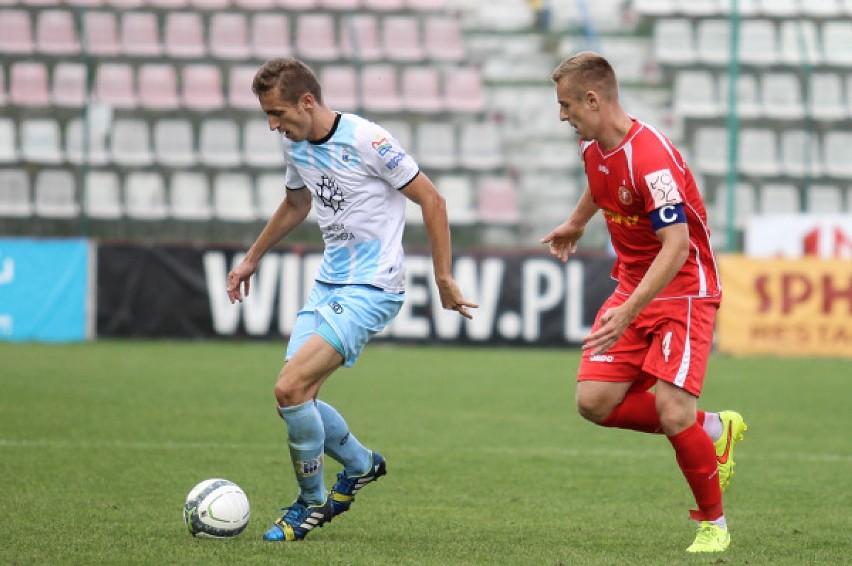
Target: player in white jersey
x=358, y=177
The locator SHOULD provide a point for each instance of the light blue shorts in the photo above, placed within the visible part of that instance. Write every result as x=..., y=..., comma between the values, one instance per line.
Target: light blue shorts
x=355, y=314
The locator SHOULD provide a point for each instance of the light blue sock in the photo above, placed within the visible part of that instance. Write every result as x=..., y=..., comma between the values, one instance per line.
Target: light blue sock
x=305, y=436
x=342, y=444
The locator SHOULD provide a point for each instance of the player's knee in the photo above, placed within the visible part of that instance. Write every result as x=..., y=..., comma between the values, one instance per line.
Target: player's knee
x=289, y=389
x=591, y=409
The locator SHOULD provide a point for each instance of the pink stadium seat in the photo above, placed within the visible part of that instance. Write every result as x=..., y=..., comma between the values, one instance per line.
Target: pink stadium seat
x=463, y=90
x=16, y=33
x=420, y=89
x=342, y=5
x=100, y=33
x=339, y=88
x=56, y=33
x=359, y=37
x=28, y=84
x=158, y=86
x=168, y=4
x=114, y=85
x=210, y=4
x=379, y=90
x=229, y=36
x=255, y=4
x=315, y=37
x=125, y=4
x=297, y=5
x=85, y=3
x=202, y=88
x=184, y=35
x=426, y=5
x=401, y=38
x=240, y=95
x=443, y=39
x=270, y=35
x=69, y=84
x=497, y=201
x=140, y=34
x=384, y=5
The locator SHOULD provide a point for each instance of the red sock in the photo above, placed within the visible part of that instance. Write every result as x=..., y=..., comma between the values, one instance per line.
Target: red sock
x=697, y=460
x=638, y=411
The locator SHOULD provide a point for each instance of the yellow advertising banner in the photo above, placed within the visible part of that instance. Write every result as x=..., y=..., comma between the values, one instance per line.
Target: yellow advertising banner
x=786, y=307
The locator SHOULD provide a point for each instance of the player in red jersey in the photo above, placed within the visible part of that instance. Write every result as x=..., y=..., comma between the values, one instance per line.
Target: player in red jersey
x=656, y=329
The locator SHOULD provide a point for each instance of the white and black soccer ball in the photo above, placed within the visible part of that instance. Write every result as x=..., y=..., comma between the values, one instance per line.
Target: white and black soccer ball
x=216, y=508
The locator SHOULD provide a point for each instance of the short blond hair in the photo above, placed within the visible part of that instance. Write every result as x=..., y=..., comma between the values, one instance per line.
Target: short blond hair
x=588, y=71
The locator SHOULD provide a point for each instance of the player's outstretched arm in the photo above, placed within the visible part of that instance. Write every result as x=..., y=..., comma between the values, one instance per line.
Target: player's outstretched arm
x=290, y=213
x=563, y=239
x=434, y=208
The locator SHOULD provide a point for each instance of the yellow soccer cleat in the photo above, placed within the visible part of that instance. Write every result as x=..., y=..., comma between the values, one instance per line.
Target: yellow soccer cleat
x=710, y=538
x=733, y=428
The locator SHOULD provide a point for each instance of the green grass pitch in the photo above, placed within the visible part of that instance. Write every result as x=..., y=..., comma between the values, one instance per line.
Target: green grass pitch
x=488, y=461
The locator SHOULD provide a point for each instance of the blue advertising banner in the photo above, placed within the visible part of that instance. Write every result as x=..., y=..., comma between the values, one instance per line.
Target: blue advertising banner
x=43, y=289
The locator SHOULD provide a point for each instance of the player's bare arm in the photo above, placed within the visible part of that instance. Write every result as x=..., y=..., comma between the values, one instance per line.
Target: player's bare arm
x=422, y=191
x=290, y=213
x=563, y=239
x=672, y=255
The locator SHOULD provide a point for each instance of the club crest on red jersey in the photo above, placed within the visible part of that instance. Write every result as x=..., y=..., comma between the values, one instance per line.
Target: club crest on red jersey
x=625, y=197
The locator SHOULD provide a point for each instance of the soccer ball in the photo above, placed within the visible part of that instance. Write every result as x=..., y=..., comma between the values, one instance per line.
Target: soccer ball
x=216, y=508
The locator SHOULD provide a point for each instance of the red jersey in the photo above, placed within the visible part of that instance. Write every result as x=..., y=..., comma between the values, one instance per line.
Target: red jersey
x=644, y=173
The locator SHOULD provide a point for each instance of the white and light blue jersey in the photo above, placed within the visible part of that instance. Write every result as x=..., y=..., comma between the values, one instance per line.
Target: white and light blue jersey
x=354, y=175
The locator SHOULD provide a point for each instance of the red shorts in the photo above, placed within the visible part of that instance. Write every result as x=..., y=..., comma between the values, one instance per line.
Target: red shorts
x=669, y=340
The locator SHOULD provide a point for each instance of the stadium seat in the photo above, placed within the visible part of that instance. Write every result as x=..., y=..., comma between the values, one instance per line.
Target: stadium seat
x=140, y=35
x=219, y=143
x=56, y=33
x=316, y=38
x=209, y=4
x=800, y=153
x=779, y=198
x=421, y=90
x=821, y=8
x=114, y=85
x=174, y=142
x=400, y=130
x=102, y=195
x=836, y=47
x=28, y=84
x=189, y=196
x=836, y=144
x=254, y=5
x=436, y=145
x=799, y=43
x=746, y=8
x=426, y=5
x=656, y=8
x=339, y=87
x=699, y=8
x=779, y=8
x=673, y=42
x=401, y=38
x=261, y=147
x=270, y=192
x=240, y=95
x=125, y=4
x=481, y=146
x=711, y=150
x=145, y=196
x=458, y=191
x=340, y=5
x=825, y=97
x=758, y=152
x=56, y=194
x=413, y=214
x=781, y=96
x=40, y=140
x=758, y=43
x=158, y=86
x=100, y=34
x=229, y=36
x=16, y=32
x=714, y=38
x=131, y=142
x=384, y=5
x=442, y=39
x=823, y=199
x=202, y=88
x=69, y=85
x=85, y=3
x=270, y=35
x=75, y=150
x=379, y=89
x=497, y=201
x=168, y=4
x=745, y=203
x=8, y=141
x=696, y=94
x=298, y=5
x=233, y=199
x=4, y=94
x=15, y=193
x=749, y=103
x=359, y=37
x=463, y=91
x=184, y=35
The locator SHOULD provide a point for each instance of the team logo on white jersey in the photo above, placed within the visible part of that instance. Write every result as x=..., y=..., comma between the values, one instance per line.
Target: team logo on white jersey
x=329, y=193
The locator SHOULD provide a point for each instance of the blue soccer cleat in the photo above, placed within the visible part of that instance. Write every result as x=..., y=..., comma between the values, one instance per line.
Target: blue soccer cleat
x=344, y=491
x=298, y=520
